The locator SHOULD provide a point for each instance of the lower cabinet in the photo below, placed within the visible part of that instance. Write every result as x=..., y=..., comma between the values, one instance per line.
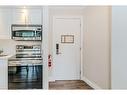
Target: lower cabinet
x=3, y=74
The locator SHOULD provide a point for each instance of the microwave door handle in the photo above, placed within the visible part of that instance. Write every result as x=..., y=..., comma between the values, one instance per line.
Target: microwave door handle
x=35, y=33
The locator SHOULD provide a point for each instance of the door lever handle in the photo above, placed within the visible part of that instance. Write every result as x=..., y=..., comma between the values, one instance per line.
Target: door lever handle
x=57, y=49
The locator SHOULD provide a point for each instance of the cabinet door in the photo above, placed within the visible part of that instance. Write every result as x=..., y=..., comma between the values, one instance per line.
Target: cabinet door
x=3, y=74
x=35, y=16
x=5, y=23
x=18, y=17
x=27, y=16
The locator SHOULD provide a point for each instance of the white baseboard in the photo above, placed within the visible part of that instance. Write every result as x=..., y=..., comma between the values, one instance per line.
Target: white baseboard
x=51, y=79
x=90, y=83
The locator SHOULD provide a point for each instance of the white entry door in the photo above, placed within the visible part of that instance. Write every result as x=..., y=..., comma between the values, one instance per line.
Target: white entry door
x=66, y=48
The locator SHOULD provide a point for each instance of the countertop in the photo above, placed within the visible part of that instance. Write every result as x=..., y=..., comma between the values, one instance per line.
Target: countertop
x=5, y=57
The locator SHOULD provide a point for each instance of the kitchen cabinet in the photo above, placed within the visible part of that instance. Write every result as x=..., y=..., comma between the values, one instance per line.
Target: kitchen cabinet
x=5, y=23
x=27, y=16
x=9, y=16
x=3, y=74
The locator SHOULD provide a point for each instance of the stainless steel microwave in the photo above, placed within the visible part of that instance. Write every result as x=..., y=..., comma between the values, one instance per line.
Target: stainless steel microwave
x=26, y=32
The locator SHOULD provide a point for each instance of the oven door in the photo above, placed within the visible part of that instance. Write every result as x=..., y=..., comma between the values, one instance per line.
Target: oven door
x=25, y=74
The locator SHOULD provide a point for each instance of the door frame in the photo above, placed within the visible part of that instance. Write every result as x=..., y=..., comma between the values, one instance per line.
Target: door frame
x=81, y=40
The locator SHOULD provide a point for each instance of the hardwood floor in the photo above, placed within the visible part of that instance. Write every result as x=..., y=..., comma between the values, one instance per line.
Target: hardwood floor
x=68, y=85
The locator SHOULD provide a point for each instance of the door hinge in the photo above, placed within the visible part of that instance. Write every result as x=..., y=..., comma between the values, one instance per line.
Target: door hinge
x=80, y=72
x=80, y=48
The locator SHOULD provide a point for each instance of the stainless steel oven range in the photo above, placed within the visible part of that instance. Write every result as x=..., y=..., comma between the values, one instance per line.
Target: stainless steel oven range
x=25, y=68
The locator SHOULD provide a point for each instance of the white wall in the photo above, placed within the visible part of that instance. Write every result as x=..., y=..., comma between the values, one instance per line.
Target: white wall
x=97, y=47
x=119, y=47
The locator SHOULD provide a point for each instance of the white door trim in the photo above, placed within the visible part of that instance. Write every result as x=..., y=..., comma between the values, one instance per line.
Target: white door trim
x=81, y=38
x=45, y=47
